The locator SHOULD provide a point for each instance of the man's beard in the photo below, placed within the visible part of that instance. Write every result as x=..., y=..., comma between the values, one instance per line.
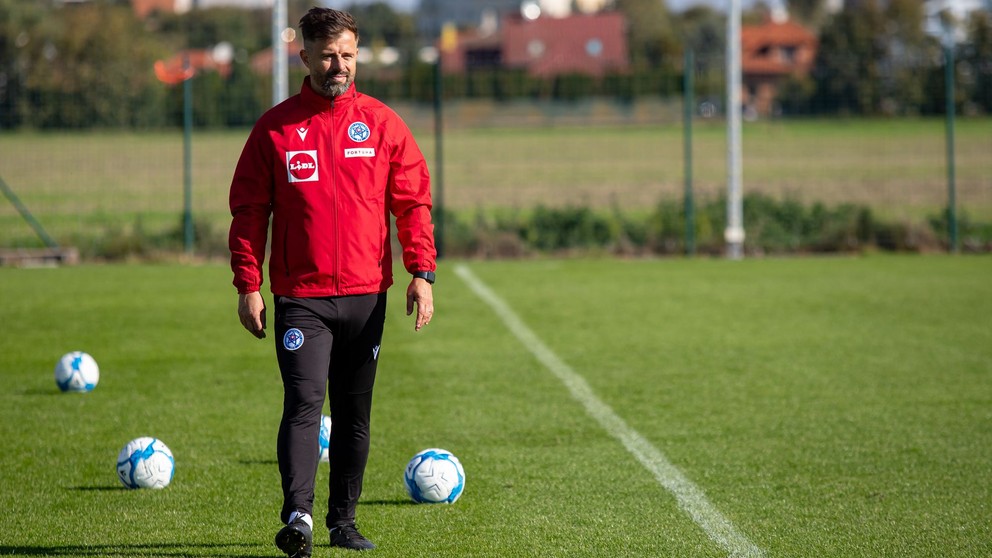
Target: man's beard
x=334, y=88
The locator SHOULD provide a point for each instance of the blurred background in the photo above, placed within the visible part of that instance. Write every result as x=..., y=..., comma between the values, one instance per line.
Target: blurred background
x=551, y=126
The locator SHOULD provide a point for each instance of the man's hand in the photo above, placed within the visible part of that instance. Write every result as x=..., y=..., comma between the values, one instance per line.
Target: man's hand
x=422, y=293
x=251, y=311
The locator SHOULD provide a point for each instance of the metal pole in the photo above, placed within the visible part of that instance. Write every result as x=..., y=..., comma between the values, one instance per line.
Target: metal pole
x=688, y=100
x=439, y=154
x=952, y=212
x=280, y=62
x=734, y=233
x=27, y=215
x=187, y=157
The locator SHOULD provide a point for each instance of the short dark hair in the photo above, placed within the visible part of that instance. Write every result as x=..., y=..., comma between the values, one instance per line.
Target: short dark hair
x=326, y=23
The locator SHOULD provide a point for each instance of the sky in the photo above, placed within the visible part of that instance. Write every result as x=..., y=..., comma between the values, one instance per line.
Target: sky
x=676, y=5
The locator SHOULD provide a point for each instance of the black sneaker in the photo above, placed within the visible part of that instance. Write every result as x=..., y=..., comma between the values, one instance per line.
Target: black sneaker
x=295, y=539
x=347, y=536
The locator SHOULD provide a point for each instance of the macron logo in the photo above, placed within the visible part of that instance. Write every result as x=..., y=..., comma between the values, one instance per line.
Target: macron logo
x=302, y=133
x=375, y=352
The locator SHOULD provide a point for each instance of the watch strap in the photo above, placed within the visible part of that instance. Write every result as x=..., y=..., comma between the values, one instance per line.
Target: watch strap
x=425, y=275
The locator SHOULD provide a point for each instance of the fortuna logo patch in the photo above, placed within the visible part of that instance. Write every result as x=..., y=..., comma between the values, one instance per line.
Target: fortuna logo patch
x=358, y=132
x=359, y=152
x=302, y=133
x=302, y=166
x=293, y=339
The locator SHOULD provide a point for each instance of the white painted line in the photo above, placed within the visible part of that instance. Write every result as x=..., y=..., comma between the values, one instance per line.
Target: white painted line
x=690, y=497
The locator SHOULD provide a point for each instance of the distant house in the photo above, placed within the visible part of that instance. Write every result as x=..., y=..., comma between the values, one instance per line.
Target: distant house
x=144, y=8
x=185, y=64
x=261, y=61
x=591, y=44
x=770, y=53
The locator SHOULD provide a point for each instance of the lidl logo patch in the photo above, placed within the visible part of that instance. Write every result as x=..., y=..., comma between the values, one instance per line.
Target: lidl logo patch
x=302, y=166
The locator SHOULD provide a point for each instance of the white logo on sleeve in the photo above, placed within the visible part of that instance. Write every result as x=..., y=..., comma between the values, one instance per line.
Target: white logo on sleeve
x=302, y=166
x=375, y=352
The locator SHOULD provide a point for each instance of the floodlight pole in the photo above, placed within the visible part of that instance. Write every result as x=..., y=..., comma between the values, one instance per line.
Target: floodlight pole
x=734, y=233
x=280, y=66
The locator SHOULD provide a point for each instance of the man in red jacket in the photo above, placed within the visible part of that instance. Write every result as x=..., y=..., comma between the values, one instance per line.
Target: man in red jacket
x=329, y=166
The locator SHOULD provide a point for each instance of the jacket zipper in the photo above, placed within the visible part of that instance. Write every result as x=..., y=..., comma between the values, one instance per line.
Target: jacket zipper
x=334, y=199
x=285, y=249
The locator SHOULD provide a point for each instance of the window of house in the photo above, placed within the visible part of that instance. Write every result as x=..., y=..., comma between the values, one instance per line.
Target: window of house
x=535, y=48
x=594, y=47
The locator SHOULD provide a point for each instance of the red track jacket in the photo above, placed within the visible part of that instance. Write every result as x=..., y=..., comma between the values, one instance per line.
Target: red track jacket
x=329, y=173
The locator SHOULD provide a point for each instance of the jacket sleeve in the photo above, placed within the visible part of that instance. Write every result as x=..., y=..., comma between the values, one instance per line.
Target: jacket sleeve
x=251, y=204
x=410, y=200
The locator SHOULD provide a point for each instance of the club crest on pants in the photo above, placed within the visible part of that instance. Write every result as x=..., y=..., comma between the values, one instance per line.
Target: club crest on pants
x=293, y=339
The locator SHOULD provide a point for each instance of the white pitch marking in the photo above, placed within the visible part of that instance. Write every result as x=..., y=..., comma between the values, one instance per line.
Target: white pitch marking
x=690, y=497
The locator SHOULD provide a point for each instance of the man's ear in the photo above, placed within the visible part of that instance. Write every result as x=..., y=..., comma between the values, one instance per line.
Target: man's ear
x=305, y=57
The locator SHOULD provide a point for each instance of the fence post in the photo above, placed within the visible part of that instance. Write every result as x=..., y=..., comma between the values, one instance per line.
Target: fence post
x=187, y=157
x=952, y=213
x=688, y=100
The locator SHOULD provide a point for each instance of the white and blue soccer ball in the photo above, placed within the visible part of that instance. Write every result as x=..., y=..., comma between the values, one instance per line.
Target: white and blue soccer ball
x=434, y=476
x=145, y=463
x=325, y=437
x=77, y=372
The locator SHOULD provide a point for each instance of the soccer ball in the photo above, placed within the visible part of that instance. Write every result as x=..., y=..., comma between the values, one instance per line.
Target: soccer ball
x=145, y=463
x=434, y=476
x=77, y=371
x=325, y=437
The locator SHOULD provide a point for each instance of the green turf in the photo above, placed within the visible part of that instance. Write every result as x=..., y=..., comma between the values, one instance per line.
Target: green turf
x=826, y=407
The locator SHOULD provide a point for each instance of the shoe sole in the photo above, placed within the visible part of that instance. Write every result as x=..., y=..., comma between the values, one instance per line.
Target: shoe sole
x=291, y=541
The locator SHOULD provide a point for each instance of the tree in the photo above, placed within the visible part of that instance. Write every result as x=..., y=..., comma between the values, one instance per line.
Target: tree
x=976, y=57
x=704, y=30
x=909, y=54
x=809, y=12
x=18, y=38
x=847, y=70
x=651, y=37
x=89, y=70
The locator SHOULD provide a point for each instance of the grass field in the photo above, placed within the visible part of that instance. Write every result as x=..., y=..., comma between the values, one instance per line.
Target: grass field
x=835, y=407
x=99, y=183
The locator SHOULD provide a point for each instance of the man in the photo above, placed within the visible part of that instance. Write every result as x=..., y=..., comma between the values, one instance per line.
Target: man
x=329, y=165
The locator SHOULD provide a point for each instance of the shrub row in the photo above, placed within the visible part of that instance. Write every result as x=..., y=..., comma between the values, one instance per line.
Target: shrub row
x=774, y=227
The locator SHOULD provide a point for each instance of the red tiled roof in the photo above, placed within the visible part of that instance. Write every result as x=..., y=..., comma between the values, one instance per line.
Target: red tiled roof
x=780, y=33
x=173, y=70
x=777, y=48
x=142, y=8
x=590, y=44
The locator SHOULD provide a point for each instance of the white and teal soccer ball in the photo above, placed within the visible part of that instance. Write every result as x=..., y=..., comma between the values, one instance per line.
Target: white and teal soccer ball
x=325, y=437
x=434, y=476
x=145, y=463
x=77, y=371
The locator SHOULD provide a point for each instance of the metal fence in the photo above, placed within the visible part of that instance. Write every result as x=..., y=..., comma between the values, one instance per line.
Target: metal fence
x=123, y=193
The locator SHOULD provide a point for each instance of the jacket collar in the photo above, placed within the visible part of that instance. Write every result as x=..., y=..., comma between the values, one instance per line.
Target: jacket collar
x=311, y=98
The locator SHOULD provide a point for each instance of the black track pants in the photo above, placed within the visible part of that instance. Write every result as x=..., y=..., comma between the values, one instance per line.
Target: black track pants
x=326, y=344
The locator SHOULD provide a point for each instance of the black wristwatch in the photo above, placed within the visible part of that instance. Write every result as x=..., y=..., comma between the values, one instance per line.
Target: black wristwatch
x=425, y=275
